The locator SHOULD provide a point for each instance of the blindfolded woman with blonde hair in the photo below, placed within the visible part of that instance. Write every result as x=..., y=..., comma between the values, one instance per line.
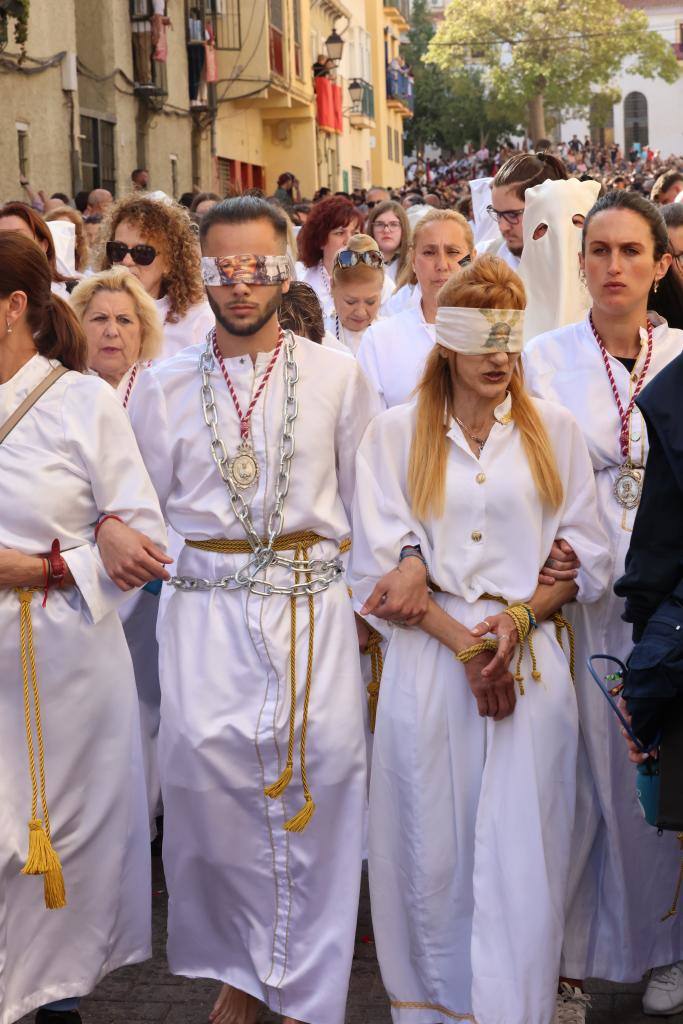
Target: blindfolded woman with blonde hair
x=464, y=492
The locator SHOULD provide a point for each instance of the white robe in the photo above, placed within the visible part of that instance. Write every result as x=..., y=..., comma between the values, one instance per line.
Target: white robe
x=392, y=354
x=190, y=330
x=623, y=873
x=71, y=458
x=348, y=341
x=406, y=296
x=271, y=912
x=139, y=618
x=470, y=819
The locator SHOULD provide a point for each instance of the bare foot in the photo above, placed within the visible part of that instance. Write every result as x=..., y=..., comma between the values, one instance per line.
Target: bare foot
x=234, y=1007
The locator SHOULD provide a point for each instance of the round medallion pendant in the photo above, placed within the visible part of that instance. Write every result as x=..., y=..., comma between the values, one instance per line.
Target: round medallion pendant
x=628, y=485
x=244, y=468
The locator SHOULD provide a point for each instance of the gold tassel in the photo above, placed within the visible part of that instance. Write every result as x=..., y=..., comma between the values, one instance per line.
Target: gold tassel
x=374, y=650
x=299, y=822
x=54, y=890
x=373, y=701
x=42, y=858
x=280, y=785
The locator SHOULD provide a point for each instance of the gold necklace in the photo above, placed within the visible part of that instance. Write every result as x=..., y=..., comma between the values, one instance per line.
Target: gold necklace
x=481, y=441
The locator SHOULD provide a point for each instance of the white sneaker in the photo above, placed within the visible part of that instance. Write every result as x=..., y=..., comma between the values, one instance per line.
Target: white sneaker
x=664, y=993
x=571, y=1005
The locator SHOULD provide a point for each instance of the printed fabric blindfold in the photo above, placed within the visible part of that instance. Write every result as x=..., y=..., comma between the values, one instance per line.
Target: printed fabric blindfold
x=479, y=332
x=231, y=270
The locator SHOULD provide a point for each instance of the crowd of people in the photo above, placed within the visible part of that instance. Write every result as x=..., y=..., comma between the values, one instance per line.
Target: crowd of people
x=314, y=514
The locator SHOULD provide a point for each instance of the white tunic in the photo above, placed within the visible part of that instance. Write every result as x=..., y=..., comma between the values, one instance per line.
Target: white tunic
x=470, y=819
x=269, y=911
x=139, y=618
x=392, y=354
x=348, y=341
x=189, y=330
x=623, y=873
x=406, y=296
x=71, y=458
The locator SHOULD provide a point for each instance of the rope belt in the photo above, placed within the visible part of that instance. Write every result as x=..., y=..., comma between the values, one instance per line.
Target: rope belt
x=42, y=857
x=524, y=620
x=300, y=542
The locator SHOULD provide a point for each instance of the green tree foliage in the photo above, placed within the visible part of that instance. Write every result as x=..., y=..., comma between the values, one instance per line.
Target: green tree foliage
x=552, y=53
x=452, y=106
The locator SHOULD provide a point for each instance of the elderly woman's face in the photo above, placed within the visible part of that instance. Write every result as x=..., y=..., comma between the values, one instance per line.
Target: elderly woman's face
x=114, y=333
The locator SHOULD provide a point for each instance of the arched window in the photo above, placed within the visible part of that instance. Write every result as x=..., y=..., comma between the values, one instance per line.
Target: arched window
x=635, y=120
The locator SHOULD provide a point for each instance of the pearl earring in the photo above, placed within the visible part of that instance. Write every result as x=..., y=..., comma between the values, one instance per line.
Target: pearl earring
x=656, y=286
x=9, y=326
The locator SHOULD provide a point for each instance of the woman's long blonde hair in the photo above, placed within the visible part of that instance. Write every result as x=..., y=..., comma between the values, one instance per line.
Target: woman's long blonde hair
x=487, y=284
x=408, y=275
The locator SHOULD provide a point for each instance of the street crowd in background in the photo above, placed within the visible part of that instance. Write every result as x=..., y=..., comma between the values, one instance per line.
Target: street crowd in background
x=296, y=559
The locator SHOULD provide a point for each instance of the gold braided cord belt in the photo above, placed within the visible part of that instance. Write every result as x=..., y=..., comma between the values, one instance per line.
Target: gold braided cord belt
x=525, y=621
x=300, y=542
x=42, y=857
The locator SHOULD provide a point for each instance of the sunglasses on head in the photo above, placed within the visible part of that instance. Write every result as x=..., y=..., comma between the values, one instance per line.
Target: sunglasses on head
x=142, y=255
x=346, y=258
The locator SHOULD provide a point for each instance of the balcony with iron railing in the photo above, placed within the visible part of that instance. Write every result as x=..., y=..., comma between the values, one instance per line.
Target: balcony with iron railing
x=400, y=93
x=363, y=112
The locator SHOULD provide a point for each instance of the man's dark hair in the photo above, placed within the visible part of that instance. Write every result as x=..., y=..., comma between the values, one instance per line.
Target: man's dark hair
x=619, y=199
x=664, y=183
x=81, y=201
x=60, y=195
x=138, y=170
x=241, y=210
x=524, y=170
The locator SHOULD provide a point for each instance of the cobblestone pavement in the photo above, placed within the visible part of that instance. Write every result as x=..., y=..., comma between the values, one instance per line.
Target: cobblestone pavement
x=148, y=994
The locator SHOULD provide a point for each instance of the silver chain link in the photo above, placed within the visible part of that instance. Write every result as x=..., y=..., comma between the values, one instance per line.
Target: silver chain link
x=320, y=573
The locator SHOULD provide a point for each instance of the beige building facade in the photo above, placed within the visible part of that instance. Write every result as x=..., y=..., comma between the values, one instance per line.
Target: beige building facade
x=231, y=101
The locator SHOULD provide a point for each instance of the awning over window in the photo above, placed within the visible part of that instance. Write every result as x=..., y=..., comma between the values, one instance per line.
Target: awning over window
x=329, y=104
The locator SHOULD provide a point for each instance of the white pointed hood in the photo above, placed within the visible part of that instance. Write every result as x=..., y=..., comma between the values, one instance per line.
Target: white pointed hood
x=550, y=263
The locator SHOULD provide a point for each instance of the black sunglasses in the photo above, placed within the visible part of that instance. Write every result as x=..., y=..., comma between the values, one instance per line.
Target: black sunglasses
x=143, y=255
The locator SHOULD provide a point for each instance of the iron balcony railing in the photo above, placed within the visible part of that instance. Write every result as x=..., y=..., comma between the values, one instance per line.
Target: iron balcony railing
x=400, y=86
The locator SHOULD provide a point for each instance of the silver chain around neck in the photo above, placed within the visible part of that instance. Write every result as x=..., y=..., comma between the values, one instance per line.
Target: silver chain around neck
x=320, y=573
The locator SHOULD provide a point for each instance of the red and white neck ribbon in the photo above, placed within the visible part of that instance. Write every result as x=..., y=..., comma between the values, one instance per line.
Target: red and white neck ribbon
x=246, y=417
x=624, y=414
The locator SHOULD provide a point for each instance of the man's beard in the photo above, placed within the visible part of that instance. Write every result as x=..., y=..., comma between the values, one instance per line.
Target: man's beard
x=240, y=329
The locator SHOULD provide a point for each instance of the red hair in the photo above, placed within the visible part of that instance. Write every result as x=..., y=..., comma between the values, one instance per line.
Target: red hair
x=325, y=216
x=39, y=230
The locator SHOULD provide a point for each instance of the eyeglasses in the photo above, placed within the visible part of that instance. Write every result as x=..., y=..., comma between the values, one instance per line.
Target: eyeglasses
x=346, y=258
x=511, y=216
x=465, y=261
x=142, y=255
x=387, y=225
x=370, y=203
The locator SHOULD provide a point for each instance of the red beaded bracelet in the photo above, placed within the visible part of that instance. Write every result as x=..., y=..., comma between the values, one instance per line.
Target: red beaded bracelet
x=104, y=519
x=57, y=564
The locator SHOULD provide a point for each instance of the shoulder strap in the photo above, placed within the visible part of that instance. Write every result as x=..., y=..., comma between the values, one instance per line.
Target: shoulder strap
x=31, y=400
